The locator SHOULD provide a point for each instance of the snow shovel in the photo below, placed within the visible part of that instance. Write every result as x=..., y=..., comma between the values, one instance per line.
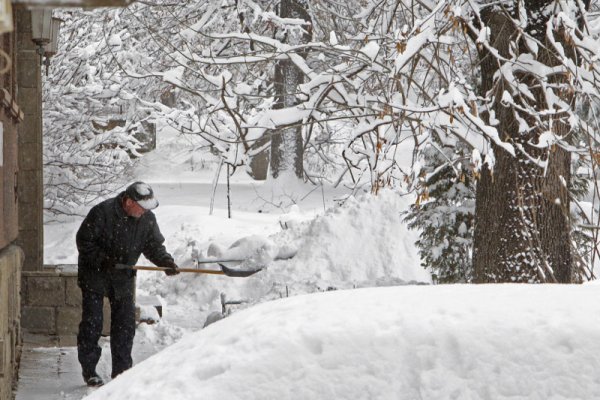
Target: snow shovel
x=236, y=273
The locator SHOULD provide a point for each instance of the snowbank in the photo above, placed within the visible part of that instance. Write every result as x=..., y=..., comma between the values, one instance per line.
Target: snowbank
x=361, y=243
x=407, y=342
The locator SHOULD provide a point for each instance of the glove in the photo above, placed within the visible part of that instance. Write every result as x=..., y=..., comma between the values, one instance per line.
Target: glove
x=172, y=268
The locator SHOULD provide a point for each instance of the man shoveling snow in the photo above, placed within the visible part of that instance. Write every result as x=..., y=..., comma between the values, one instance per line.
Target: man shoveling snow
x=116, y=231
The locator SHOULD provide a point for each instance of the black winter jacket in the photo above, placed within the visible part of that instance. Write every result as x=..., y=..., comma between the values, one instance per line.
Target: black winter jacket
x=107, y=237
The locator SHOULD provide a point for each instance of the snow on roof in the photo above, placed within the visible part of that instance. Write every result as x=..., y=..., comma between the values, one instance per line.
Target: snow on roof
x=408, y=342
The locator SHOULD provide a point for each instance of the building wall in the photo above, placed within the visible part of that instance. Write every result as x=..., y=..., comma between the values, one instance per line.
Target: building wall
x=30, y=184
x=10, y=120
x=11, y=256
x=11, y=259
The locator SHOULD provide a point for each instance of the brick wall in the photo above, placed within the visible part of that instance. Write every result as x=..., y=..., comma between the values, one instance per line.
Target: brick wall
x=51, y=303
x=11, y=259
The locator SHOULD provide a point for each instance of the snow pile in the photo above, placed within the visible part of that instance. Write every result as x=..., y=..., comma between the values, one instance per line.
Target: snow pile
x=361, y=243
x=255, y=249
x=407, y=342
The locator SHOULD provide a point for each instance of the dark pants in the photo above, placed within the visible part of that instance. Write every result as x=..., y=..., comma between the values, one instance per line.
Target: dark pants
x=122, y=331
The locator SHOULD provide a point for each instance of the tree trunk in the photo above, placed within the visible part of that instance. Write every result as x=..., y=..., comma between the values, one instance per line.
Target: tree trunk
x=522, y=230
x=287, y=151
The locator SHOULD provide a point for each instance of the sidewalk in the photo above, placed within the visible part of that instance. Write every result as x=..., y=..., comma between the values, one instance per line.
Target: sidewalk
x=49, y=367
x=49, y=372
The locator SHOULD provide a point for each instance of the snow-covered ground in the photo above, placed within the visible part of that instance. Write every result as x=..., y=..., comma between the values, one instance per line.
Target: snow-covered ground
x=404, y=342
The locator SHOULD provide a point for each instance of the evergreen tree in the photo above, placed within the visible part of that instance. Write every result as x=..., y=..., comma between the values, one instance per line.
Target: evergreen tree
x=444, y=212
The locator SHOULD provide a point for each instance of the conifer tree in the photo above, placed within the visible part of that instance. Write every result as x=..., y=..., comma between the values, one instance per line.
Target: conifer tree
x=444, y=212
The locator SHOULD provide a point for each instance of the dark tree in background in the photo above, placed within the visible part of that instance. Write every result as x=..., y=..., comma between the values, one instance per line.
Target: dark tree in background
x=287, y=147
x=522, y=231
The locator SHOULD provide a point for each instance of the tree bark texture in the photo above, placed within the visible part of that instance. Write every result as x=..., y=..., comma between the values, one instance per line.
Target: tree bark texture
x=522, y=229
x=287, y=148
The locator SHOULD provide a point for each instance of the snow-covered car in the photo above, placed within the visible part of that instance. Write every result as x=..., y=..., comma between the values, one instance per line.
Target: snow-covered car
x=405, y=342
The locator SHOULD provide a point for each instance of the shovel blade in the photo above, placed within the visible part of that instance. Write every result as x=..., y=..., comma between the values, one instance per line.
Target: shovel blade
x=238, y=273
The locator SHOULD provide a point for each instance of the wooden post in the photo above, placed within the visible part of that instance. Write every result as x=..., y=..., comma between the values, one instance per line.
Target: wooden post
x=228, y=194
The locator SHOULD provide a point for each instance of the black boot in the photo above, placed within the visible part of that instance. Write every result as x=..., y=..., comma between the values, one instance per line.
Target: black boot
x=93, y=379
